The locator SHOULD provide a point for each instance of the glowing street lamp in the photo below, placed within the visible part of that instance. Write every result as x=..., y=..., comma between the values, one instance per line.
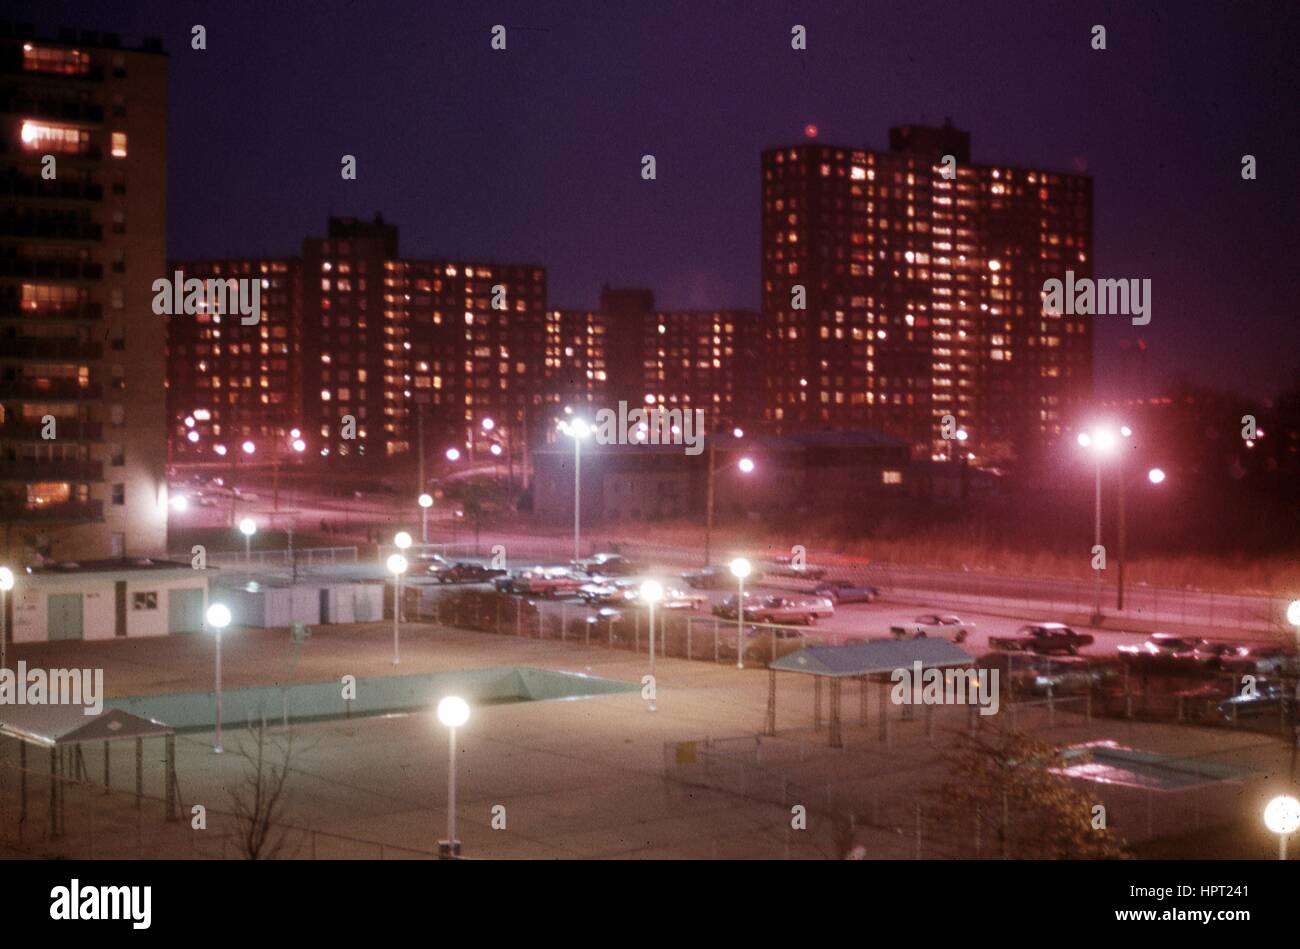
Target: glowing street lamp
x=1282, y=817
x=248, y=448
x=248, y=527
x=179, y=503
x=488, y=425
x=1156, y=476
x=740, y=569
x=453, y=711
x=6, y=584
x=218, y=617
x=397, y=567
x=453, y=454
x=425, y=501
x=652, y=591
x=402, y=540
x=577, y=429
x=745, y=466
x=1293, y=613
x=1100, y=442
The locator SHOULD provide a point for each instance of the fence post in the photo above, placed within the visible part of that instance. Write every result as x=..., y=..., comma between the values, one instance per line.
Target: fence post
x=564, y=620
x=689, y=623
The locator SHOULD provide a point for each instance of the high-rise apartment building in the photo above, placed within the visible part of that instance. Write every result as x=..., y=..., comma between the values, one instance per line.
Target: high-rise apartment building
x=900, y=288
x=82, y=238
x=363, y=351
x=228, y=381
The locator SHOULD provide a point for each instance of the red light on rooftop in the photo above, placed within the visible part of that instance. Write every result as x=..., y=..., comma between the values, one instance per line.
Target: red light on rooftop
x=810, y=130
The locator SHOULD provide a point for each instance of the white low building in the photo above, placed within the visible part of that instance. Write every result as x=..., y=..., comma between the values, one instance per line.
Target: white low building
x=108, y=599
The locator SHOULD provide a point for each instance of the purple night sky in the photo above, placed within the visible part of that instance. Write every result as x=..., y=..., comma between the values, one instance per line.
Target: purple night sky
x=532, y=155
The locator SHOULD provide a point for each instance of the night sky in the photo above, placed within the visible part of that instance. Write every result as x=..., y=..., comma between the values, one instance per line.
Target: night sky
x=533, y=155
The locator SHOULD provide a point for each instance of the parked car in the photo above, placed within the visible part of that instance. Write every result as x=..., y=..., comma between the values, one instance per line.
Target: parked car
x=1262, y=660
x=607, y=593
x=436, y=564
x=1266, y=699
x=466, y=571
x=1059, y=675
x=607, y=565
x=786, y=567
x=675, y=599
x=944, y=625
x=548, y=581
x=608, y=620
x=1161, y=647
x=714, y=578
x=846, y=591
x=1208, y=654
x=727, y=608
x=790, y=609
x=1044, y=638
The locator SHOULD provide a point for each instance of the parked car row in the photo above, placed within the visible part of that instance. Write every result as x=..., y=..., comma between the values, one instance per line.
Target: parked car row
x=1169, y=651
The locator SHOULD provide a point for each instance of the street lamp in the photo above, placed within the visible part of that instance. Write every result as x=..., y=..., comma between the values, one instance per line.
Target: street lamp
x=652, y=591
x=453, y=454
x=6, y=584
x=397, y=567
x=218, y=617
x=425, y=501
x=402, y=539
x=1156, y=476
x=179, y=503
x=578, y=429
x=453, y=712
x=740, y=569
x=1101, y=442
x=1293, y=613
x=745, y=466
x=1282, y=817
x=248, y=528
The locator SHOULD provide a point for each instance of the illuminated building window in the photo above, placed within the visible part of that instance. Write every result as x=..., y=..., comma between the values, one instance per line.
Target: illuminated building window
x=67, y=62
x=119, y=144
x=58, y=139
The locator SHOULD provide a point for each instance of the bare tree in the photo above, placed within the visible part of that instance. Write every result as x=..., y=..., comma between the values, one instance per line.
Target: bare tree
x=1002, y=786
x=260, y=801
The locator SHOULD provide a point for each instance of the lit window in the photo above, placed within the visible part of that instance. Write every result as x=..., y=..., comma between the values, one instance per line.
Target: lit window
x=63, y=139
x=119, y=144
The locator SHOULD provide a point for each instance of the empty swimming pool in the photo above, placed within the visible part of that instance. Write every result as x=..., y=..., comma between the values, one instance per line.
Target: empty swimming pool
x=322, y=701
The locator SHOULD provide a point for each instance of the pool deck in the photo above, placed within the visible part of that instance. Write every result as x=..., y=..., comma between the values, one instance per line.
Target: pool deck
x=578, y=778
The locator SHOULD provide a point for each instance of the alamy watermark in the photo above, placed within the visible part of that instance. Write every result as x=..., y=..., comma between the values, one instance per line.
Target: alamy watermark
x=651, y=426
x=53, y=687
x=241, y=296
x=1086, y=297
x=919, y=686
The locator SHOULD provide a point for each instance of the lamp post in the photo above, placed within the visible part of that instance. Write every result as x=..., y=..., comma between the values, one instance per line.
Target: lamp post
x=578, y=429
x=1282, y=817
x=425, y=501
x=453, y=712
x=1101, y=442
x=746, y=466
x=248, y=527
x=397, y=567
x=740, y=569
x=6, y=584
x=218, y=617
x=652, y=591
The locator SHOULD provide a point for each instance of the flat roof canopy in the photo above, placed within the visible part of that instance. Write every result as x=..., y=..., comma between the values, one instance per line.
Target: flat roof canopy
x=880, y=655
x=57, y=725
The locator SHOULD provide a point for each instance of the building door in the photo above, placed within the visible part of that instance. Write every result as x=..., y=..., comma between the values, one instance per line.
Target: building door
x=325, y=605
x=184, y=611
x=119, y=602
x=65, y=616
x=119, y=545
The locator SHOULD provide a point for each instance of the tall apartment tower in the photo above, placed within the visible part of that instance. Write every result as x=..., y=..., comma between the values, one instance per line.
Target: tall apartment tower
x=231, y=382
x=82, y=238
x=895, y=295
